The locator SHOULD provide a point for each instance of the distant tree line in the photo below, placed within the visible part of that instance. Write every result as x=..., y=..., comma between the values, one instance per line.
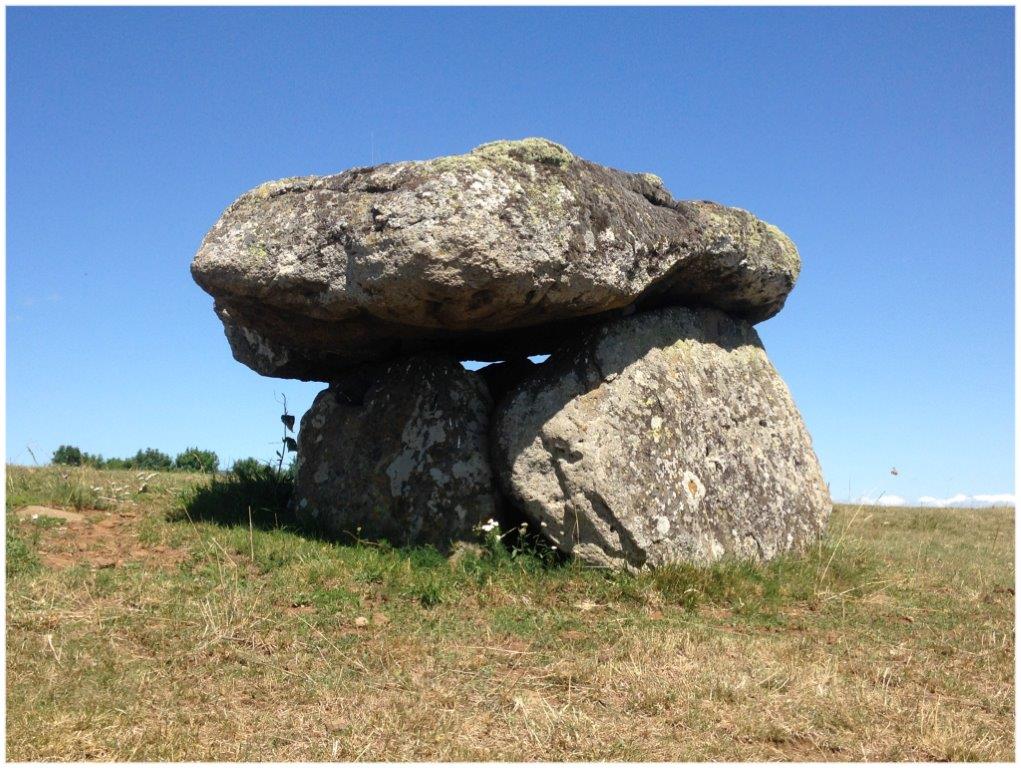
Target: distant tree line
x=190, y=460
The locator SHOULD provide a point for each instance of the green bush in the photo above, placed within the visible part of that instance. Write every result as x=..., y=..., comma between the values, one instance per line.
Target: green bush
x=249, y=466
x=252, y=467
x=191, y=460
x=93, y=460
x=197, y=460
x=151, y=458
x=69, y=455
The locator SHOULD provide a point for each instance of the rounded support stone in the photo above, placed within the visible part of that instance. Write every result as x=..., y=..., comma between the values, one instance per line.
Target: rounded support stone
x=663, y=437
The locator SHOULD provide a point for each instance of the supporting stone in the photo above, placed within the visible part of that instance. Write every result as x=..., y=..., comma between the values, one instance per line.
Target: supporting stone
x=663, y=437
x=399, y=452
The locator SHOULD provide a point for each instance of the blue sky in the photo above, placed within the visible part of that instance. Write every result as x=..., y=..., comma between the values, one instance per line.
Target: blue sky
x=880, y=140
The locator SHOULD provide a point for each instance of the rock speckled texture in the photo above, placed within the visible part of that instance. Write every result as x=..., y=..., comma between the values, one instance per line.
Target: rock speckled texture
x=666, y=436
x=469, y=254
x=400, y=452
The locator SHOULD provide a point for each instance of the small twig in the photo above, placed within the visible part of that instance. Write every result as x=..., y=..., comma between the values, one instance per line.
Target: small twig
x=862, y=586
x=49, y=642
x=347, y=657
x=225, y=552
x=251, y=535
x=283, y=447
x=499, y=650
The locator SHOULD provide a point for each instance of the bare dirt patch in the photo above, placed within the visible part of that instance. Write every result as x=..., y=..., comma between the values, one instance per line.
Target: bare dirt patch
x=101, y=540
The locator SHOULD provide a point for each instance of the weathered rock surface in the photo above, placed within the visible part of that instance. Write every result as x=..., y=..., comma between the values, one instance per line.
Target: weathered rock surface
x=666, y=436
x=400, y=452
x=470, y=254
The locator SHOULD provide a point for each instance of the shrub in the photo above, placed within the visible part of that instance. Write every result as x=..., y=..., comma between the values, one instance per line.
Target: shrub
x=249, y=466
x=197, y=460
x=151, y=458
x=93, y=460
x=69, y=455
x=117, y=464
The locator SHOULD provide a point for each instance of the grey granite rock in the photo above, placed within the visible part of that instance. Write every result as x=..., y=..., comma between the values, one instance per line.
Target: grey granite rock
x=400, y=452
x=498, y=253
x=663, y=437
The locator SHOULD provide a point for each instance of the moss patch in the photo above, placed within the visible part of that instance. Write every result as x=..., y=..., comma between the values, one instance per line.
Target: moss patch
x=536, y=151
x=506, y=155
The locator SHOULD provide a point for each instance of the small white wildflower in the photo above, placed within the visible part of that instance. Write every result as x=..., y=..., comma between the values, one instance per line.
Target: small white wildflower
x=35, y=517
x=489, y=525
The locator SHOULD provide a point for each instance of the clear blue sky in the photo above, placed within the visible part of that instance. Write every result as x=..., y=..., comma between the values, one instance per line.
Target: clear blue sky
x=880, y=140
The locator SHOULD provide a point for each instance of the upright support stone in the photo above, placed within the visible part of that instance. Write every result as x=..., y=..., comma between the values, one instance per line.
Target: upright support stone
x=400, y=452
x=666, y=436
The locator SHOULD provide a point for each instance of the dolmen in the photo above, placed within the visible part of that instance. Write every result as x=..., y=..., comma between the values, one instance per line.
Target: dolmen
x=656, y=432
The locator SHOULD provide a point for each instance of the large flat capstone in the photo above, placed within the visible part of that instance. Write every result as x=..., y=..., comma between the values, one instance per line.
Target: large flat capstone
x=663, y=437
x=504, y=251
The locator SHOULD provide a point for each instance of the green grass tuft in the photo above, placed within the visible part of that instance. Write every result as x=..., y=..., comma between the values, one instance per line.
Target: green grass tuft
x=21, y=555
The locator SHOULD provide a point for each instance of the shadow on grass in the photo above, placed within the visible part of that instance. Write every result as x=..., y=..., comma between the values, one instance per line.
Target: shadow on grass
x=259, y=493
x=265, y=493
x=749, y=588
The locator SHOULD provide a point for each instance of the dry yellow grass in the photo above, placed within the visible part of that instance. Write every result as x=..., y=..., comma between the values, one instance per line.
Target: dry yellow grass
x=202, y=641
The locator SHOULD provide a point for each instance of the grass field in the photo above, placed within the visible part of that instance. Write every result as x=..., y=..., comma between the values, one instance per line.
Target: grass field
x=159, y=629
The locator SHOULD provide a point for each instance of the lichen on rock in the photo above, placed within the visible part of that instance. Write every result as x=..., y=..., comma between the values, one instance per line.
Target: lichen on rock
x=536, y=151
